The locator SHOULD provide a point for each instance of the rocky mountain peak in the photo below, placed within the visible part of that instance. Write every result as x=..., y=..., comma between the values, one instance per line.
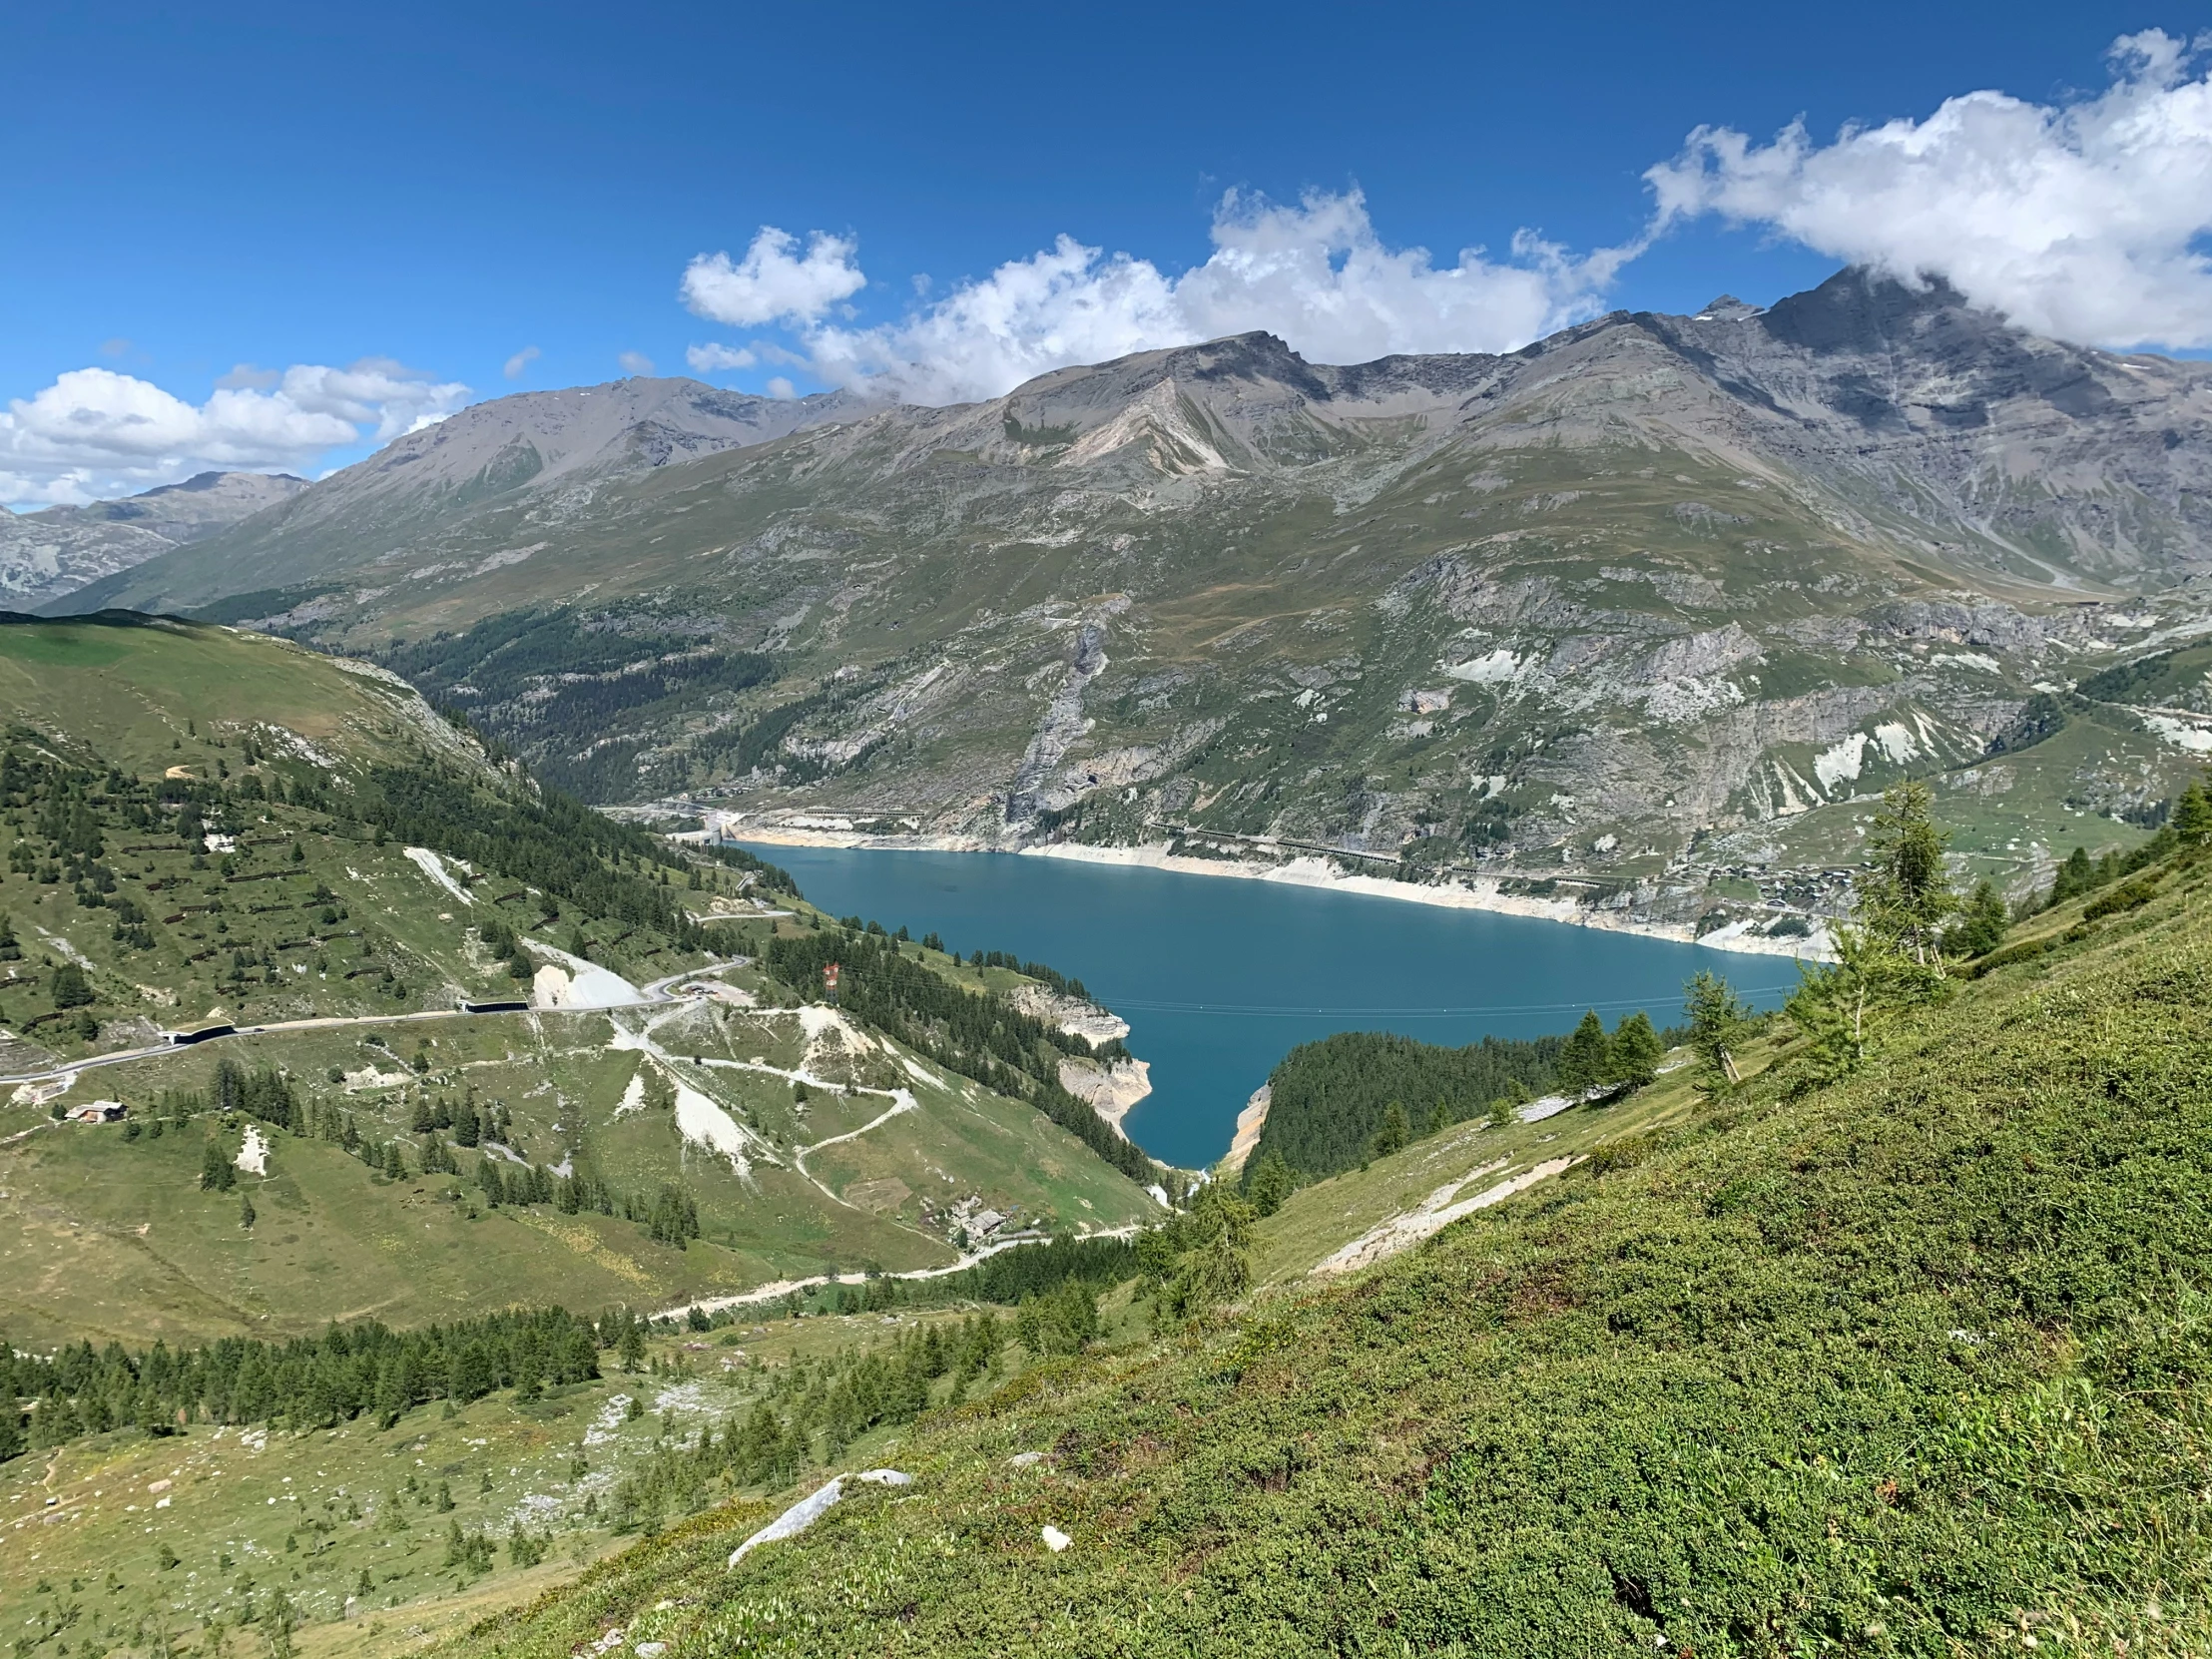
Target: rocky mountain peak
x=1860, y=310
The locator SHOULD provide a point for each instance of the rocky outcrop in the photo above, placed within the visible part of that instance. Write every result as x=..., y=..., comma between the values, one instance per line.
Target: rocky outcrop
x=1070, y=1015
x=1111, y=1087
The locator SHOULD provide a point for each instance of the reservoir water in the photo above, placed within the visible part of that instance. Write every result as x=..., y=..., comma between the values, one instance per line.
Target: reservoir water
x=1218, y=979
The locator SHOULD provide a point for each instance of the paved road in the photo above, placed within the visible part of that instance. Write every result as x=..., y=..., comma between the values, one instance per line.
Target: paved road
x=654, y=994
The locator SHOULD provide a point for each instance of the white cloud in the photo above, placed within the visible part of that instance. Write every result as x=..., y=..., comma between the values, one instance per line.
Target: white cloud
x=1316, y=273
x=94, y=432
x=635, y=362
x=778, y=386
x=520, y=361
x=769, y=284
x=2081, y=219
x=714, y=357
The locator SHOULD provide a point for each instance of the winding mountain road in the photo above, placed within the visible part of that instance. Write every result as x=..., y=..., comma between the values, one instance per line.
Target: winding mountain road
x=654, y=994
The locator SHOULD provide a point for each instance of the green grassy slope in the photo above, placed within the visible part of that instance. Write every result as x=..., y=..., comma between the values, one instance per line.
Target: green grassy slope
x=200, y=1533
x=309, y=916
x=133, y=687
x=113, y=1238
x=126, y=734
x=1913, y=1364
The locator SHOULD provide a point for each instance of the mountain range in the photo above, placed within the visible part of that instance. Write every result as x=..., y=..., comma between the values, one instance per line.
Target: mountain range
x=45, y=555
x=1657, y=597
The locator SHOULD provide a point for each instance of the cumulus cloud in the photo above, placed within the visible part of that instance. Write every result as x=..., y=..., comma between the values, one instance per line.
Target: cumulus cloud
x=715, y=357
x=2083, y=220
x=94, y=432
x=248, y=375
x=771, y=283
x=635, y=362
x=520, y=361
x=1316, y=273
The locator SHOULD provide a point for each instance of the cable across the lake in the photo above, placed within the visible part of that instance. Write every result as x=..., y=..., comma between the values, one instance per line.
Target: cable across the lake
x=1138, y=1006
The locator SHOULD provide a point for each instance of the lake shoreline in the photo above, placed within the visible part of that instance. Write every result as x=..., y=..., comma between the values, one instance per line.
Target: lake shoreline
x=1217, y=980
x=1307, y=872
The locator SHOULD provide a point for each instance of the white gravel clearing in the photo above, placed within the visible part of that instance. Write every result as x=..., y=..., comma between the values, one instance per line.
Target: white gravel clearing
x=572, y=982
x=434, y=868
x=1433, y=1214
x=813, y=1507
x=702, y=1123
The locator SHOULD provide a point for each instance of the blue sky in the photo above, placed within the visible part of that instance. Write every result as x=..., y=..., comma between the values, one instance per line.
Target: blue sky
x=378, y=209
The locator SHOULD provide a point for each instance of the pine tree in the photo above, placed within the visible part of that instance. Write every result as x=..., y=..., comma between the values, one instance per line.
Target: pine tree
x=1583, y=1061
x=245, y=1212
x=1634, y=1055
x=1903, y=900
x=1270, y=1184
x=11, y=950
x=2192, y=820
x=1717, y=1018
x=2076, y=875
x=71, y=988
x=1890, y=955
x=217, y=1172
x=1393, y=1133
x=1981, y=925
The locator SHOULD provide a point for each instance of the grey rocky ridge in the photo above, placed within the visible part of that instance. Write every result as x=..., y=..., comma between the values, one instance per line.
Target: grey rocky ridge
x=1639, y=615
x=46, y=554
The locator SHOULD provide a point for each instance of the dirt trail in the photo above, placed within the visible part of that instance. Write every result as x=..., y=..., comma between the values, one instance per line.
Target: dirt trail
x=901, y=1100
x=1435, y=1212
x=783, y=1287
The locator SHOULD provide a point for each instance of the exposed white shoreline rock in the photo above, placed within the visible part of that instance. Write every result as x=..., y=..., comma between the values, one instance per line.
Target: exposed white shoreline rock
x=1111, y=1087
x=1316, y=872
x=1071, y=1014
x=1249, y=1122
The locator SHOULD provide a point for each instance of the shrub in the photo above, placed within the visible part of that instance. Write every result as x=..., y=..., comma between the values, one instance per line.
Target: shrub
x=2025, y=951
x=2131, y=897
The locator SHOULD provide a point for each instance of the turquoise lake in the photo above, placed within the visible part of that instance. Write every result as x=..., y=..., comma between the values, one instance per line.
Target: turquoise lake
x=1218, y=979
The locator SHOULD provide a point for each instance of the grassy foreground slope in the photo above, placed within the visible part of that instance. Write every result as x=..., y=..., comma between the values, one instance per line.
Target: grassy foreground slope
x=1917, y=1363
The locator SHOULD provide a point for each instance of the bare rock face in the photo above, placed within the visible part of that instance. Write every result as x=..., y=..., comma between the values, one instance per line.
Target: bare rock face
x=1109, y=1087
x=1071, y=1014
